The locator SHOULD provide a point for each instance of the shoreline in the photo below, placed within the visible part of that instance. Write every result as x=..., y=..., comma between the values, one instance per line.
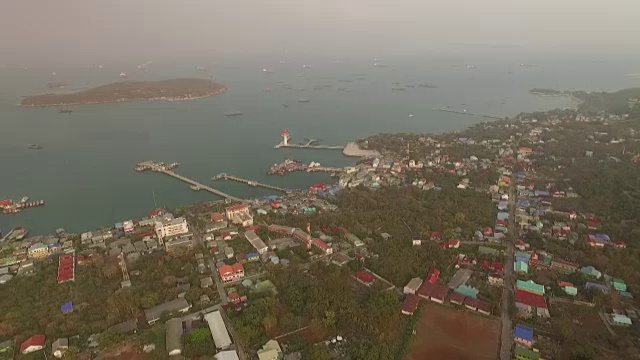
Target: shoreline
x=352, y=149
x=174, y=99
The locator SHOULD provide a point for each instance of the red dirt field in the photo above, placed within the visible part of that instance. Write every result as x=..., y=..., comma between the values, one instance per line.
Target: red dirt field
x=454, y=334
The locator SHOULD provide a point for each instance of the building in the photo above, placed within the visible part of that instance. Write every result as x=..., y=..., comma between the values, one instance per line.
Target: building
x=591, y=271
x=60, y=347
x=521, y=267
x=531, y=303
x=171, y=307
x=433, y=276
x=179, y=242
x=495, y=279
x=218, y=329
x=34, y=343
x=618, y=284
x=410, y=304
x=433, y=292
x=522, y=353
x=324, y=247
x=568, y=288
x=484, y=307
x=564, y=266
x=37, y=250
x=619, y=320
x=230, y=273
x=227, y=355
x=456, y=298
x=412, y=286
x=239, y=214
x=365, y=277
x=173, y=332
x=172, y=227
x=270, y=351
x=523, y=335
x=66, y=268
x=256, y=242
x=128, y=226
x=530, y=286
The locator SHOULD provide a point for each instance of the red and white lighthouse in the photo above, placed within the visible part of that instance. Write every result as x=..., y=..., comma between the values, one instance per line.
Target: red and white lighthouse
x=285, y=137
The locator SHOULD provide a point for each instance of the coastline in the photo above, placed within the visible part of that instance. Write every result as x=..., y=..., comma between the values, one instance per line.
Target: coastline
x=172, y=99
x=353, y=150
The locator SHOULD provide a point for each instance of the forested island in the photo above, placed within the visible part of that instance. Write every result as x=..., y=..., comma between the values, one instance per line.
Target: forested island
x=165, y=90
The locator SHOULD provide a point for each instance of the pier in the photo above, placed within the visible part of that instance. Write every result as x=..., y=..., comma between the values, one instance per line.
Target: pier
x=159, y=167
x=467, y=113
x=309, y=145
x=226, y=176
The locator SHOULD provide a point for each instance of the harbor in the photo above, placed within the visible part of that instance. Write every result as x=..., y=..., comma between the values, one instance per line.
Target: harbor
x=14, y=207
x=309, y=145
x=194, y=185
x=289, y=165
x=225, y=176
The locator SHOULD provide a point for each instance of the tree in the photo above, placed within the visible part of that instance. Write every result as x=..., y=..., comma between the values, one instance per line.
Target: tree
x=198, y=343
x=316, y=352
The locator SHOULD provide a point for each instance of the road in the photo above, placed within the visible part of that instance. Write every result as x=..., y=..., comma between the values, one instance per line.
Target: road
x=506, y=338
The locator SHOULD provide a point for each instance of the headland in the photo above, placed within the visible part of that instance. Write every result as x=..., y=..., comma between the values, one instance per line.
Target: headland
x=182, y=89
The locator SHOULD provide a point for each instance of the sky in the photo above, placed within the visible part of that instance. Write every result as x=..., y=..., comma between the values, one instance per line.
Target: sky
x=67, y=30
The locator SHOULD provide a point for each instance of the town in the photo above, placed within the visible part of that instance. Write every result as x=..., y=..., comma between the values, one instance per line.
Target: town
x=513, y=239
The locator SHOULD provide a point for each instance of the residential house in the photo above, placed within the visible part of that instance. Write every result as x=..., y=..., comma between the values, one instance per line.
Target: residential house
x=229, y=273
x=593, y=285
x=256, y=242
x=495, y=279
x=60, y=347
x=591, y=271
x=410, y=304
x=227, y=355
x=618, y=284
x=568, y=288
x=456, y=298
x=619, y=320
x=531, y=303
x=523, y=335
x=433, y=292
x=173, y=339
x=433, y=276
x=171, y=307
x=365, y=277
x=564, y=266
x=37, y=250
x=270, y=351
x=412, y=286
x=32, y=344
x=530, y=286
x=521, y=267
x=218, y=329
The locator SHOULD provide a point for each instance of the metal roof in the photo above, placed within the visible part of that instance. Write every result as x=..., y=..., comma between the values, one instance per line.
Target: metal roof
x=218, y=329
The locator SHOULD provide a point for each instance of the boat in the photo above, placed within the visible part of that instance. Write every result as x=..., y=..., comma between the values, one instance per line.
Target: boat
x=232, y=113
x=303, y=100
x=285, y=105
x=201, y=68
x=398, y=89
x=123, y=75
x=35, y=147
x=24, y=199
x=65, y=110
x=265, y=70
x=411, y=116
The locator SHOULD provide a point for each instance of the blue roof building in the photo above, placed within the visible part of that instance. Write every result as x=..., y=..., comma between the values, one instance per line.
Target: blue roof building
x=67, y=307
x=523, y=335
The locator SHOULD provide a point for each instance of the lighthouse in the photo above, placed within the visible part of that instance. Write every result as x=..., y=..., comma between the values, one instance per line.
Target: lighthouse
x=285, y=137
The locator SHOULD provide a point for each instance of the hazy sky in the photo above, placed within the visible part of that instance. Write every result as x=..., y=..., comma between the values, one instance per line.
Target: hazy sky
x=87, y=29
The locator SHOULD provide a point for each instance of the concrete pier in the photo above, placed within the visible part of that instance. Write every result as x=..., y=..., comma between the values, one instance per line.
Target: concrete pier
x=153, y=166
x=249, y=182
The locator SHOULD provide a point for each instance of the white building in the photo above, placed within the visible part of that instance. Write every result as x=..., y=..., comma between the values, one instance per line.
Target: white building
x=218, y=329
x=171, y=227
x=173, y=339
x=256, y=242
x=128, y=226
x=239, y=214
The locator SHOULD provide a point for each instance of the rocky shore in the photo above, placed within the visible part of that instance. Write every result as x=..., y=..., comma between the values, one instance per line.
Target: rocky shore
x=352, y=149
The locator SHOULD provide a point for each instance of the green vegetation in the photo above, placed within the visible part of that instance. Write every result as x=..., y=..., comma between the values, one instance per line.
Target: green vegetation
x=612, y=103
x=548, y=92
x=175, y=89
x=199, y=343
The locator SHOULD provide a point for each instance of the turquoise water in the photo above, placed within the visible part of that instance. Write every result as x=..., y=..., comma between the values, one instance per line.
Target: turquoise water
x=85, y=170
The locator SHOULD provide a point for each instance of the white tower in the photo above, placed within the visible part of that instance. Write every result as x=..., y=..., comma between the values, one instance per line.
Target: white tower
x=285, y=137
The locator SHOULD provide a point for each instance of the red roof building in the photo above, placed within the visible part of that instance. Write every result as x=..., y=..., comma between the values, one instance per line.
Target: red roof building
x=66, y=268
x=433, y=276
x=620, y=244
x=529, y=301
x=230, y=273
x=436, y=235
x=5, y=203
x=433, y=292
x=34, y=343
x=456, y=298
x=322, y=246
x=365, y=277
x=471, y=303
x=217, y=217
x=484, y=307
x=410, y=304
x=454, y=244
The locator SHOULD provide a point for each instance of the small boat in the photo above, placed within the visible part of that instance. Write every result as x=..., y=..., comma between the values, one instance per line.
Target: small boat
x=233, y=113
x=411, y=116
x=303, y=100
x=35, y=147
x=123, y=75
x=24, y=199
x=285, y=105
x=65, y=110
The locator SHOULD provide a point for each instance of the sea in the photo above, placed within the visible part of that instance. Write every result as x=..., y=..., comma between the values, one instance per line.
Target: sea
x=85, y=169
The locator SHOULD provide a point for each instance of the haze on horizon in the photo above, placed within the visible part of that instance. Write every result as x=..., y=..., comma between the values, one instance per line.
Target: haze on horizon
x=86, y=30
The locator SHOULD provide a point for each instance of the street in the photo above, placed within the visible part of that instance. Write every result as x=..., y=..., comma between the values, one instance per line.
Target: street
x=506, y=338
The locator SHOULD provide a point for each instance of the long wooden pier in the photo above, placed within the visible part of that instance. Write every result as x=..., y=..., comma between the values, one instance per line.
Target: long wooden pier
x=297, y=146
x=150, y=165
x=226, y=176
x=464, y=112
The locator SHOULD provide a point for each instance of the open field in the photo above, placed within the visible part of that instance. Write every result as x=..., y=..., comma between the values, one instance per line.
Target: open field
x=454, y=334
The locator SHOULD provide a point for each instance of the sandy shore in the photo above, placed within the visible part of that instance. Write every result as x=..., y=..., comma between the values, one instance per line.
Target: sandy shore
x=352, y=149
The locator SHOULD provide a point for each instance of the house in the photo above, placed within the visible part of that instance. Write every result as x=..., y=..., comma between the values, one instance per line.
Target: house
x=410, y=304
x=218, y=329
x=230, y=273
x=495, y=279
x=253, y=257
x=593, y=285
x=598, y=240
x=227, y=355
x=173, y=334
x=619, y=320
x=521, y=267
x=564, y=266
x=530, y=286
x=228, y=252
x=453, y=244
x=522, y=353
x=568, y=288
x=467, y=291
x=471, y=303
x=365, y=277
x=618, y=284
x=433, y=276
x=171, y=307
x=256, y=242
x=433, y=292
x=37, y=250
x=523, y=335
x=217, y=217
x=412, y=286
x=59, y=347
x=456, y=298
x=531, y=303
x=521, y=245
x=484, y=307
x=340, y=259
x=34, y=343
x=171, y=227
x=591, y=271
x=239, y=214
x=206, y=282
x=270, y=351
x=620, y=244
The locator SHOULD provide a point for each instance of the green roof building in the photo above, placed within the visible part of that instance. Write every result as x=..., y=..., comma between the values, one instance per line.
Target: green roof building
x=522, y=353
x=530, y=286
x=521, y=267
x=619, y=284
x=468, y=291
x=591, y=271
x=570, y=290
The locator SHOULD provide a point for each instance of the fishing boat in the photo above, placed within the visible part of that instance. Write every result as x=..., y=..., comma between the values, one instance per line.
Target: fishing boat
x=232, y=113
x=34, y=147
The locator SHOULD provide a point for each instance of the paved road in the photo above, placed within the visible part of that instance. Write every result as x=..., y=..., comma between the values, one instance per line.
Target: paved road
x=506, y=338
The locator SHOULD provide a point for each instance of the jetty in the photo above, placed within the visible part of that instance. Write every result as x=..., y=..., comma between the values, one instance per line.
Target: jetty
x=226, y=176
x=309, y=145
x=464, y=112
x=194, y=185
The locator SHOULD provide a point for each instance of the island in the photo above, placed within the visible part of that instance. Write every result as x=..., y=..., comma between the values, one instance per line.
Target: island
x=165, y=90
